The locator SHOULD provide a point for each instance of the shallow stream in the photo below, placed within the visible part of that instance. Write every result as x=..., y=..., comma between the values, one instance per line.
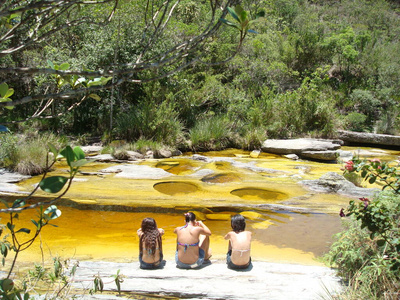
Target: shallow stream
x=107, y=202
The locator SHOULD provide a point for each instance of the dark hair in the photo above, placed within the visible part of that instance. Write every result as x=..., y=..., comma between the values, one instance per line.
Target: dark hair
x=238, y=223
x=151, y=237
x=190, y=217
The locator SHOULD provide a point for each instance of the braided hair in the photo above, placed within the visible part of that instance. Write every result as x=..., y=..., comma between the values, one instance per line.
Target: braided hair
x=151, y=237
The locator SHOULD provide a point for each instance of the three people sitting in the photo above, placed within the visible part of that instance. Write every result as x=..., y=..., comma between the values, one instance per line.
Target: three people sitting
x=193, y=244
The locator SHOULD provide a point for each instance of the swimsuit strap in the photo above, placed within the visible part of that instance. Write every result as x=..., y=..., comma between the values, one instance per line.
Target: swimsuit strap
x=186, y=225
x=188, y=245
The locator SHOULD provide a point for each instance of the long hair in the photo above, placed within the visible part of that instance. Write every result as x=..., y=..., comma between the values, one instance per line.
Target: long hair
x=238, y=223
x=151, y=237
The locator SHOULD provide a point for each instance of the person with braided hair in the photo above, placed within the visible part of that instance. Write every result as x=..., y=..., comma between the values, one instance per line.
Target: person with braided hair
x=150, y=244
x=193, y=243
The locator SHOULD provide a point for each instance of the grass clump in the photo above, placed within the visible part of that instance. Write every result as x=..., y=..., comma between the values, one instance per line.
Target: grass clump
x=26, y=154
x=213, y=133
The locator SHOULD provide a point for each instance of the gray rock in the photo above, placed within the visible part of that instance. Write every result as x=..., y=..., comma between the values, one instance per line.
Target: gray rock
x=297, y=146
x=91, y=149
x=351, y=137
x=134, y=171
x=263, y=280
x=133, y=155
x=163, y=153
x=103, y=158
x=344, y=156
x=292, y=156
x=8, y=180
x=332, y=182
x=327, y=155
x=200, y=157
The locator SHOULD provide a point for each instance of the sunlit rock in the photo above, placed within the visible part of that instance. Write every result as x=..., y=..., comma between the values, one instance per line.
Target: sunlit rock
x=221, y=217
x=251, y=215
x=176, y=187
x=332, y=182
x=255, y=153
x=251, y=193
x=134, y=171
x=262, y=225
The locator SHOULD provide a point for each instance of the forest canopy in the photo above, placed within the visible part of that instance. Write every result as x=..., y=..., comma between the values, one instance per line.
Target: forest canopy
x=173, y=72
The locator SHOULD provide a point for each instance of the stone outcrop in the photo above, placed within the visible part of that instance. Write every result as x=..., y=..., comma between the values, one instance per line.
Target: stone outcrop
x=263, y=280
x=332, y=182
x=363, y=138
x=306, y=148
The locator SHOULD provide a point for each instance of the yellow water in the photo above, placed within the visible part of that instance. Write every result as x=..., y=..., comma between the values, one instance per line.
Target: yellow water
x=102, y=212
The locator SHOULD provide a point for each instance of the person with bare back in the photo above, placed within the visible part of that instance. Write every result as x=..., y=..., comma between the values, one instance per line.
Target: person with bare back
x=193, y=243
x=238, y=256
x=150, y=244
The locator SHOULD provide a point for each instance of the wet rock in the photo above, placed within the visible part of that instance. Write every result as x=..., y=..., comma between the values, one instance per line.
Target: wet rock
x=200, y=157
x=292, y=156
x=8, y=180
x=262, y=280
x=351, y=137
x=327, y=155
x=332, y=182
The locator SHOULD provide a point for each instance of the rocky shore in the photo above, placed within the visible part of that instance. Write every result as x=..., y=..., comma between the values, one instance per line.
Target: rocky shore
x=263, y=280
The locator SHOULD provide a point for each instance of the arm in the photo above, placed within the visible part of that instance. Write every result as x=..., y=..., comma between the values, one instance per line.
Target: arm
x=205, y=230
x=227, y=236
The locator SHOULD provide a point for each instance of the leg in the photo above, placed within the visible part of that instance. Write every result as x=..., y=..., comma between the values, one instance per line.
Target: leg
x=205, y=245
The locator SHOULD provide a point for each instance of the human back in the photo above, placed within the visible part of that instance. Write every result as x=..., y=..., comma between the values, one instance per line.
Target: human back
x=150, y=244
x=192, y=242
x=238, y=256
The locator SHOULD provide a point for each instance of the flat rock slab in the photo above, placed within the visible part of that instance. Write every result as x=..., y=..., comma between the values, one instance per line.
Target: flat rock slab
x=263, y=280
x=297, y=146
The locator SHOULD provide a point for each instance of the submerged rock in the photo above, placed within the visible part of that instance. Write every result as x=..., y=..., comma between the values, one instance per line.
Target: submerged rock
x=332, y=182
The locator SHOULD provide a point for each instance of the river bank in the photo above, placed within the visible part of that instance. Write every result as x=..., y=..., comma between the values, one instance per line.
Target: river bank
x=263, y=280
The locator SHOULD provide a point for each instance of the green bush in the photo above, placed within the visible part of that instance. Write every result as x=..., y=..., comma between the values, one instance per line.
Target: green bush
x=151, y=122
x=356, y=121
x=212, y=133
x=26, y=154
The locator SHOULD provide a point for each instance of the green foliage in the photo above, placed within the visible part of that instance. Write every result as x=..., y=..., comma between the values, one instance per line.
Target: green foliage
x=5, y=94
x=211, y=133
x=150, y=121
x=367, y=253
x=356, y=121
x=25, y=154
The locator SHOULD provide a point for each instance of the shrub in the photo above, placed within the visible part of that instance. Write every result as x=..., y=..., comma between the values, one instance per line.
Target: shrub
x=212, y=133
x=26, y=154
x=356, y=121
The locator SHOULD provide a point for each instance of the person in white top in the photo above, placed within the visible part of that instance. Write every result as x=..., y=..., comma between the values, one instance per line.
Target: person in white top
x=238, y=256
